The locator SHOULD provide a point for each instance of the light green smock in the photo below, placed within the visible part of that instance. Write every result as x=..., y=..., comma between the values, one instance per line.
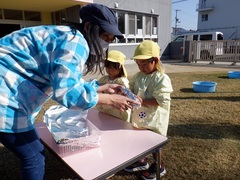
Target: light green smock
x=109, y=109
x=152, y=86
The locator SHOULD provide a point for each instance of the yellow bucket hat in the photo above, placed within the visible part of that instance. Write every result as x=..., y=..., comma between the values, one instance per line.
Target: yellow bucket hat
x=119, y=57
x=146, y=50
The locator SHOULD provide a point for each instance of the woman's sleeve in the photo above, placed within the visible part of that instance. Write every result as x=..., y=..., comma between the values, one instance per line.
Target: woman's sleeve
x=69, y=89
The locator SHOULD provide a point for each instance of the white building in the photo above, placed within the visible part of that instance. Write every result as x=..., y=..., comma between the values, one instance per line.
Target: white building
x=142, y=19
x=220, y=15
x=138, y=19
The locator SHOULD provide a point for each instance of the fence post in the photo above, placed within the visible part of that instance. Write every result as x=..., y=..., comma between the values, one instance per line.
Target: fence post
x=190, y=54
x=235, y=53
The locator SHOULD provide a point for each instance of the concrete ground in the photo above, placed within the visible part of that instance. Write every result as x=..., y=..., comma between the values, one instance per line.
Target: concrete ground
x=177, y=66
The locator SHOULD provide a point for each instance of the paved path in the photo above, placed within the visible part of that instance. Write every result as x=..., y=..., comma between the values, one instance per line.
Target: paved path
x=176, y=66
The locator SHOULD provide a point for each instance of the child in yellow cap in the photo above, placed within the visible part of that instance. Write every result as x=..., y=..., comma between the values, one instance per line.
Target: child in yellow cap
x=116, y=74
x=153, y=87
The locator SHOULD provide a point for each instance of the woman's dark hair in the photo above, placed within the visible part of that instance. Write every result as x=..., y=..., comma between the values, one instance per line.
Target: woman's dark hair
x=115, y=65
x=94, y=63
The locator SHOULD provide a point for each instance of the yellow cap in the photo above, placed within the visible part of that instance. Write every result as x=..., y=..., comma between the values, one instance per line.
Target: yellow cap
x=116, y=56
x=119, y=57
x=146, y=50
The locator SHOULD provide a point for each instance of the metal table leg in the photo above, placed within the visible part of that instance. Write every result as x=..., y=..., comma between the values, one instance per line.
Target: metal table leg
x=158, y=165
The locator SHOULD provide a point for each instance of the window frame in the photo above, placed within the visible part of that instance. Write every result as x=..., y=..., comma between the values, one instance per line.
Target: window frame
x=138, y=35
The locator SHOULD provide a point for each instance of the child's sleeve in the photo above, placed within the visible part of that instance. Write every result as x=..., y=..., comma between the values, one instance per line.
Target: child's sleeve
x=162, y=90
x=123, y=81
x=102, y=80
x=131, y=82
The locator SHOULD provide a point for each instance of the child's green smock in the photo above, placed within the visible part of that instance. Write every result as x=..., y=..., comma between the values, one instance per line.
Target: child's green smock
x=109, y=109
x=158, y=86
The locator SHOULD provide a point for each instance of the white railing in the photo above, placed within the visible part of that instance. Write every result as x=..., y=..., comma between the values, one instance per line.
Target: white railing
x=224, y=51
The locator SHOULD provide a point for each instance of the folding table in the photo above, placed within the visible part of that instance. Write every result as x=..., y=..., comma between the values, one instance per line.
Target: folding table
x=121, y=145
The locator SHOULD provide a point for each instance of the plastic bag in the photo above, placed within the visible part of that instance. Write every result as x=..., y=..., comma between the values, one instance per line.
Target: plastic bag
x=71, y=129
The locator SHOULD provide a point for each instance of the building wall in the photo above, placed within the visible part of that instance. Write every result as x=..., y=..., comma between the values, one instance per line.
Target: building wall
x=46, y=18
x=162, y=8
x=157, y=8
x=222, y=16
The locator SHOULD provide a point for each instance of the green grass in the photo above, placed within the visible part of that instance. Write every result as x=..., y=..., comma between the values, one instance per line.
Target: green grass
x=204, y=134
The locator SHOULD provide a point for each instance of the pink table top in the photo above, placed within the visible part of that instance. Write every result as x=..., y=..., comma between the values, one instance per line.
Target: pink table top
x=121, y=145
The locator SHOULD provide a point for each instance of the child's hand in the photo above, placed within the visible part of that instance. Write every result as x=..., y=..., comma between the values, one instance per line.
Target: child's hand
x=131, y=95
x=140, y=99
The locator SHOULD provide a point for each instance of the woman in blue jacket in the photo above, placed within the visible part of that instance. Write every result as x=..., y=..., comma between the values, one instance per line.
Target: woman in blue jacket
x=43, y=62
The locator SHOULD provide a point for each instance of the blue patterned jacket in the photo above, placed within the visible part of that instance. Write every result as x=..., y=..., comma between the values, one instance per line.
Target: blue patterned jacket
x=39, y=63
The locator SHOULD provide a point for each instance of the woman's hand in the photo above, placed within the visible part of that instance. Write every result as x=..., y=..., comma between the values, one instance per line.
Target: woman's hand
x=116, y=100
x=110, y=88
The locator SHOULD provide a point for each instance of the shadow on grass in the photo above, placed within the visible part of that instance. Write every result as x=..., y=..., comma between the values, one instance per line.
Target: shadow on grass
x=9, y=165
x=187, y=90
x=205, y=131
x=225, y=98
x=223, y=77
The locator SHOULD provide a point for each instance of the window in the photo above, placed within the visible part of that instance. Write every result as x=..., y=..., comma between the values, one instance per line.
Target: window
x=203, y=4
x=131, y=23
x=154, y=25
x=148, y=25
x=8, y=28
x=131, y=40
x=139, y=24
x=63, y=15
x=10, y=14
x=139, y=40
x=1, y=14
x=121, y=22
x=207, y=37
x=204, y=17
x=59, y=17
x=13, y=14
x=219, y=37
x=32, y=16
x=155, y=40
x=137, y=27
x=195, y=37
x=179, y=39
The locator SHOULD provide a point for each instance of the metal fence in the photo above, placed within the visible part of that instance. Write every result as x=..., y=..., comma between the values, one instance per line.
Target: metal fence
x=213, y=51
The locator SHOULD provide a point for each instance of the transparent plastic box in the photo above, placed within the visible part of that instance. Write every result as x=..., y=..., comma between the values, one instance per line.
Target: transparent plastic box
x=71, y=130
x=72, y=146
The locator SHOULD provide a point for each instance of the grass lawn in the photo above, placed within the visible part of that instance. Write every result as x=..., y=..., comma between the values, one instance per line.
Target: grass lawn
x=204, y=134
